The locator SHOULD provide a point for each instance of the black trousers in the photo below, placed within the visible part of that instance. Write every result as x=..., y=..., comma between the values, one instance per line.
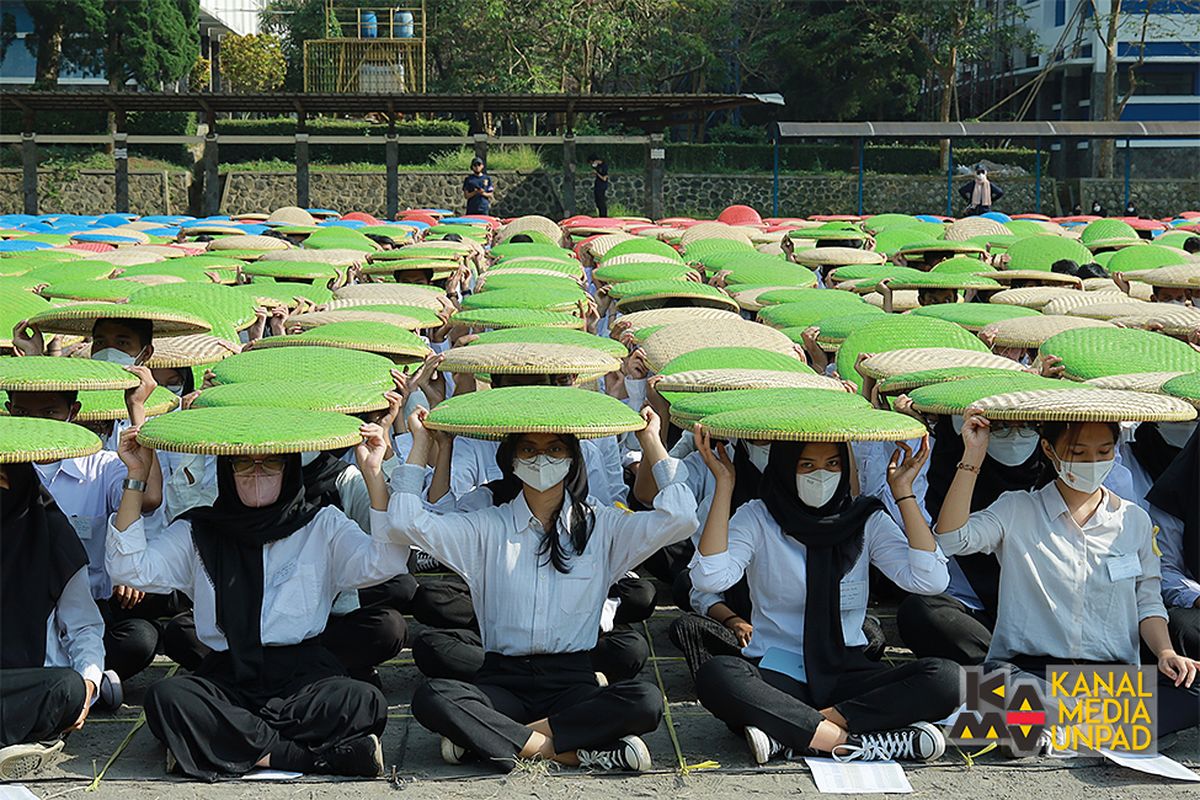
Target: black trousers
x=214, y=726
x=489, y=715
x=458, y=653
x=1178, y=707
x=871, y=697
x=939, y=626
x=367, y=636
x=1184, y=625
x=700, y=638
x=601, y=198
x=130, y=636
x=38, y=703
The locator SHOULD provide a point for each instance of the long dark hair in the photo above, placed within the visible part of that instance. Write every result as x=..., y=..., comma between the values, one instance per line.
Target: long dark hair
x=580, y=518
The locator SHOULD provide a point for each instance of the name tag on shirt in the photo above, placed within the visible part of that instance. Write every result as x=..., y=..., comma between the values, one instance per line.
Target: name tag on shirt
x=784, y=662
x=853, y=594
x=82, y=526
x=1122, y=567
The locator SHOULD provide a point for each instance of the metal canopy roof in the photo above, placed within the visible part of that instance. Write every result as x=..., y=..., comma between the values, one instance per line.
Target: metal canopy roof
x=649, y=106
x=959, y=130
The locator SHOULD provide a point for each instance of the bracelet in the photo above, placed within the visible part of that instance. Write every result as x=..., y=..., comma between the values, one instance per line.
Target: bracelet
x=133, y=485
x=725, y=622
x=900, y=500
x=968, y=467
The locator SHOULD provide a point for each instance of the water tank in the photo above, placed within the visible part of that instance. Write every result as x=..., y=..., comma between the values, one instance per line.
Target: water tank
x=368, y=25
x=403, y=22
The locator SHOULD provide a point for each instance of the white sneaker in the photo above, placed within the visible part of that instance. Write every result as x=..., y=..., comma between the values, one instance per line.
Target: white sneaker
x=629, y=754
x=921, y=741
x=112, y=694
x=451, y=753
x=762, y=747
x=22, y=760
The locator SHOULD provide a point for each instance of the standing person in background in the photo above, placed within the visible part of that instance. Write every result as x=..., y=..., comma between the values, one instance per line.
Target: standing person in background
x=980, y=193
x=478, y=189
x=600, y=187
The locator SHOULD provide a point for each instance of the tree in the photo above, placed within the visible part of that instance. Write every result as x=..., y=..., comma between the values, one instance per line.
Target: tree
x=295, y=22
x=252, y=63
x=62, y=28
x=150, y=41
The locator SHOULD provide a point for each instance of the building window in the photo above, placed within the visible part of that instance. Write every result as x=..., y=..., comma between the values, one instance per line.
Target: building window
x=1159, y=81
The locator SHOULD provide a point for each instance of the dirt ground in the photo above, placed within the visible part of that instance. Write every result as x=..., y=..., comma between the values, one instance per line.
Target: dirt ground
x=121, y=750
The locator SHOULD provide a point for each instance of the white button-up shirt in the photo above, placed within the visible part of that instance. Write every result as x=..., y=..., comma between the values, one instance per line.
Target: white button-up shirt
x=524, y=605
x=301, y=573
x=1065, y=591
x=87, y=490
x=775, y=568
x=75, y=630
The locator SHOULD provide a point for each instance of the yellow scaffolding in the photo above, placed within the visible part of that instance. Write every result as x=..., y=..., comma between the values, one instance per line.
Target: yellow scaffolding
x=369, y=50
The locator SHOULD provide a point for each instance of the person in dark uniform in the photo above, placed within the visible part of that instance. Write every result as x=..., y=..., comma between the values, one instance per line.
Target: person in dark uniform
x=600, y=186
x=478, y=189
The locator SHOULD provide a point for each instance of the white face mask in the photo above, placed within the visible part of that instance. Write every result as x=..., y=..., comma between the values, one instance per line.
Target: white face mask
x=541, y=472
x=957, y=421
x=114, y=356
x=1173, y=302
x=175, y=389
x=1013, y=446
x=758, y=454
x=1085, y=476
x=258, y=489
x=817, y=487
x=1177, y=434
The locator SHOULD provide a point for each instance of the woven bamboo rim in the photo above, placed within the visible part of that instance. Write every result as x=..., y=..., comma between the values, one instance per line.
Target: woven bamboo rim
x=1178, y=321
x=1042, y=276
x=157, y=280
x=79, y=319
x=161, y=402
x=824, y=425
x=28, y=439
x=532, y=222
x=211, y=229
x=597, y=247
x=235, y=431
x=836, y=257
x=1137, y=291
x=137, y=236
x=747, y=299
x=933, y=280
x=1109, y=311
x=640, y=258
x=902, y=299
x=509, y=401
x=529, y=358
x=1085, y=405
x=1068, y=303
x=190, y=351
x=1037, y=297
x=684, y=417
x=303, y=270
x=678, y=338
x=645, y=302
x=713, y=230
x=130, y=257
x=1031, y=332
x=516, y=318
x=940, y=246
x=1176, y=276
x=1151, y=382
x=532, y=272
x=636, y=320
x=898, y=362
x=970, y=227
x=290, y=215
x=908, y=381
x=248, y=242
x=1098, y=245
x=716, y=380
x=428, y=317
x=55, y=374
x=316, y=319
x=337, y=257
x=438, y=269
x=404, y=294
x=340, y=398
x=406, y=351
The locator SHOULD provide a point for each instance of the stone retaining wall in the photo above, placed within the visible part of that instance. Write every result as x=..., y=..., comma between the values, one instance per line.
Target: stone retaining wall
x=518, y=193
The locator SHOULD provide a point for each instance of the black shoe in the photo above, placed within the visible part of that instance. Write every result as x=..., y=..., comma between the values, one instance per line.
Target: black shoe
x=22, y=760
x=361, y=757
x=763, y=748
x=423, y=562
x=369, y=675
x=629, y=754
x=921, y=741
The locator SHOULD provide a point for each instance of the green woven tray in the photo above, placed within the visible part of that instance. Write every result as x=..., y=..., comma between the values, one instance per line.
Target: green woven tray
x=803, y=314
x=16, y=305
x=495, y=413
x=641, y=246
x=538, y=298
x=898, y=332
x=865, y=277
x=57, y=374
x=961, y=264
x=881, y=222
x=109, y=291
x=944, y=280
x=893, y=240
x=912, y=380
x=284, y=294
x=530, y=250
x=303, y=364
x=26, y=439
x=553, y=336
x=815, y=423
x=778, y=274
x=402, y=346
x=639, y=295
x=293, y=270
x=51, y=273
x=221, y=306
x=246, y=430
x=78, y=319
x=1103, y=231
x=973, y=316
x=516, y=318
x=339, y=239
x=426, y=252
x=424, y=316
x=566, y=267
x=521, y=280
x=955, y=396
x=734, y=358
x=652, y=270
x=1097, y=352
x=1185, y=387
x=1143, y=257
x=689, y=407
x=106, y=405
x=911, y=359
x=344, y=398
x=529, y=358
x=1041, y=251
x=1085, y=405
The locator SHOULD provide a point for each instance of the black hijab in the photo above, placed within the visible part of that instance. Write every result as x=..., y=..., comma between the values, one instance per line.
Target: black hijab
x=833, y=539
x=320, y=479
x=1177, y=492
x=747, y=484
x=982, y=570
x=1151, y=450
x=229, y=537
x=39, y=553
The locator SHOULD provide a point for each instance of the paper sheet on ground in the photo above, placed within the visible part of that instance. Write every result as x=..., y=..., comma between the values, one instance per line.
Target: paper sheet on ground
x=874, y=777
x=16, y=791
x=1153, y=764
x=271, y=775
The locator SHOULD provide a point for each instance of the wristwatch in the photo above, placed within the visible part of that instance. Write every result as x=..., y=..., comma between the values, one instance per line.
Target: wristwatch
x=133, y=485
